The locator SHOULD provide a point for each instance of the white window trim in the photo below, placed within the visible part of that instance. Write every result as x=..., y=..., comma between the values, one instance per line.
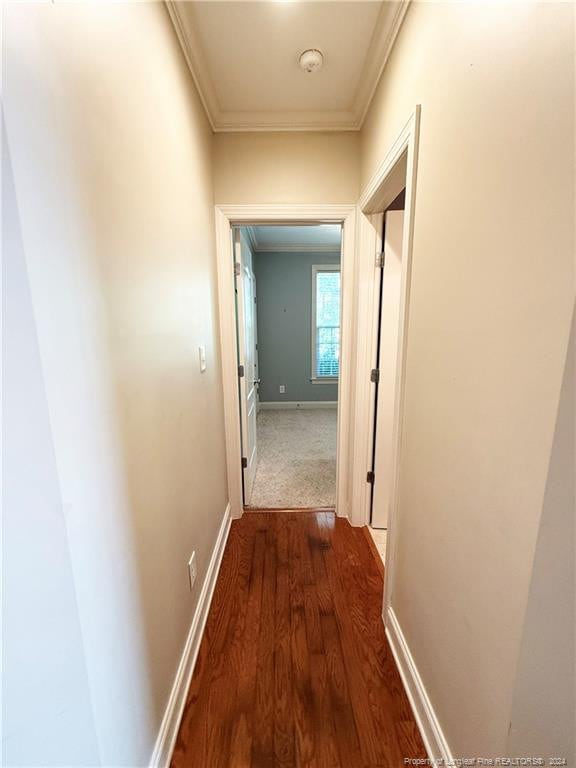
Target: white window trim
x=315, y=269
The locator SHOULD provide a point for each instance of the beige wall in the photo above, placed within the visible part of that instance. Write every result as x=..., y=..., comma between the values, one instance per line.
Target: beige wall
x=543, y=708
x=113, y=210
x=492, y=296
x=111, y=242
x=286, y=167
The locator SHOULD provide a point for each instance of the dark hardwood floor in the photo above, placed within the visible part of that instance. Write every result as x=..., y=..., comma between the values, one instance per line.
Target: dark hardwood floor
x=294, y=667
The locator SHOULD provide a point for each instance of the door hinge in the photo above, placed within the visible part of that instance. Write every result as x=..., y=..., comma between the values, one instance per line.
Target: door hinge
x=380, y=259
x=237, y=268
x=244, y=462
x=240, y=371
x=370, y=477
x=375, y=375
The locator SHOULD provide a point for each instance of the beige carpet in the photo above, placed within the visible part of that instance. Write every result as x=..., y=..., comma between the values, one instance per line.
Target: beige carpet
x=296, y=459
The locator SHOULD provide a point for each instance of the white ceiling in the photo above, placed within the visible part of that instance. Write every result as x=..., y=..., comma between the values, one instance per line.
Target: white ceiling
x=295, y=239
x=243, y=55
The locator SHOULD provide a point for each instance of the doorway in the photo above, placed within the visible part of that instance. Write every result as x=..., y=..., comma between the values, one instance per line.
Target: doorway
x=396, y=176
x=386, y=361
x=230, y=219
x=288, y=300
x=388, y=324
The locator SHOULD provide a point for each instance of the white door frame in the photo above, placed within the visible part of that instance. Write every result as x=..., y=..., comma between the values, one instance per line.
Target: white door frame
x=388, y=348
x=399, y=165
x=226, y=217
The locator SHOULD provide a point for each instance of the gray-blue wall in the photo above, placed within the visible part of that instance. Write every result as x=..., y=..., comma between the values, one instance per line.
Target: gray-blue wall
x=284, y=304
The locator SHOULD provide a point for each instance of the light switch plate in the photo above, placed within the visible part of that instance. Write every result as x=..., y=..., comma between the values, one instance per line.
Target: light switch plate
x=192, y=570
x=202, y=357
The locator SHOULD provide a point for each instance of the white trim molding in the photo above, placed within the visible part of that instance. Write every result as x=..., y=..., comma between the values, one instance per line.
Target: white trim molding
x=383, y=39
x=324, y=380
x=190, y=49
x=303, y=405
x=256, y=246
x=374, y=196
x=398, y=170
x=227, y=216
x=291, y=248
x=433, y=737
x=382, y=42
x=391, y=176
x=166, y=739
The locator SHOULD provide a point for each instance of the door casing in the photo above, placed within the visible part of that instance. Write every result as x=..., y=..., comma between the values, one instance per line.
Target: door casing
x=226, y=217
x=387, y=354
x=398, y=170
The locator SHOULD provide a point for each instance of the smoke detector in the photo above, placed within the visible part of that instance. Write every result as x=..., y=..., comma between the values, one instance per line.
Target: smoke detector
x=311, y=60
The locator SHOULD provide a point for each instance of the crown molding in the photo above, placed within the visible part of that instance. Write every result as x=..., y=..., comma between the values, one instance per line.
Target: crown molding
x=238, y=122
x=252, y=238
x=257, y=247
x=381, y=45
x=383, y=39
x=292, y=248
x=191, y=49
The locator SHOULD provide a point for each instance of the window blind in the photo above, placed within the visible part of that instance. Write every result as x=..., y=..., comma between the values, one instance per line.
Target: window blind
x=327, y=330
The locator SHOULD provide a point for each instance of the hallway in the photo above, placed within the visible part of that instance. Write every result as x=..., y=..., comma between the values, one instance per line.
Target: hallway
x=296, y=459
x=216, y=208
x=294, y=667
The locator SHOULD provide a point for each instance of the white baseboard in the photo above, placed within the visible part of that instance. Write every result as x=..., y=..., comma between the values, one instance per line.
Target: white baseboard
x=343, y=510
x=164, y=746
x=306, y=404
x=430, y=730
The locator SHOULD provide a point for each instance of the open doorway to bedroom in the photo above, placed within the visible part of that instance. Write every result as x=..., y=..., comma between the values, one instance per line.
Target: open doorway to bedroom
x=288, y=309
x=385, y=380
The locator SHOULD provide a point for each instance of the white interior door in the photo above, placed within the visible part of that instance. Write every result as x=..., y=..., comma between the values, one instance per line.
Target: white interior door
x=387, y=362
x=246, y=309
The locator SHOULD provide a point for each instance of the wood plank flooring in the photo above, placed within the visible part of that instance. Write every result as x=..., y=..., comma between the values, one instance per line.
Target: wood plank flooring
x=294, y=668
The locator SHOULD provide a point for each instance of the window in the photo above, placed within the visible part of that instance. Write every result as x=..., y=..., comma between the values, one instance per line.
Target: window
x=325, y=323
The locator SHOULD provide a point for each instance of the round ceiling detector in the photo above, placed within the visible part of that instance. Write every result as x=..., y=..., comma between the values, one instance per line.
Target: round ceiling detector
x=311, y=60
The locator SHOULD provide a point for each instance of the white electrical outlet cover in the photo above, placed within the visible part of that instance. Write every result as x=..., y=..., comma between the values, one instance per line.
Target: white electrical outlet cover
x=282, y=389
